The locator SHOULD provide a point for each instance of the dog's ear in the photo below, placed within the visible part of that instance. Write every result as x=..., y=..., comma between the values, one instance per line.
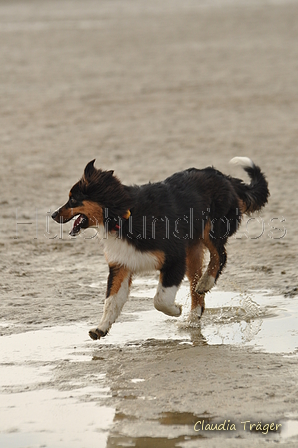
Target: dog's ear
x=89, y=170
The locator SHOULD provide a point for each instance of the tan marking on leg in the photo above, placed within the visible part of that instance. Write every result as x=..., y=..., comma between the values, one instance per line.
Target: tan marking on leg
x=214, y=263
x=118, y=278
x=130, y=281
x=207, y=280
x=117, y=295
x=194, y=262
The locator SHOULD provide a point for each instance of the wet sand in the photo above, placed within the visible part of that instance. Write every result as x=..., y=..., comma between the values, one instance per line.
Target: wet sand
x=147, y=90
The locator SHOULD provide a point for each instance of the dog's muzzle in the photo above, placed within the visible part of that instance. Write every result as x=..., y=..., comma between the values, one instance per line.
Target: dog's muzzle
x=55, y=214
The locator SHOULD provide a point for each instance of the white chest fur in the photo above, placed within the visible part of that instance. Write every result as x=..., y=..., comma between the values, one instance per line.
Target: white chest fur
x=119, y=251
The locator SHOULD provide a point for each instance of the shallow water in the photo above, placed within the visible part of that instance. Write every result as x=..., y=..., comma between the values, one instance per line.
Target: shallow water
x=53, y=418
x=260, y=320
x=37, y=410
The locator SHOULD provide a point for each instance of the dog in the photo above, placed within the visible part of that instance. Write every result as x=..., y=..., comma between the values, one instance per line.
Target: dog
x=164, y=226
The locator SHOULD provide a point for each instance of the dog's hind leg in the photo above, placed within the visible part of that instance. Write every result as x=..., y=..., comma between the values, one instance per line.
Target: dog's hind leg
x=117, y=294
x=194, y=262
x=218, y=258
x=169, y=281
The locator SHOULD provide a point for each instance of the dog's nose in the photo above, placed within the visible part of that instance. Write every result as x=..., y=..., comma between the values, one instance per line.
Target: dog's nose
x=54, y=215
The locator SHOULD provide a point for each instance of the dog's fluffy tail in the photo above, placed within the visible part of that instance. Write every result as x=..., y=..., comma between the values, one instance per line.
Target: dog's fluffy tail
x=254, y=195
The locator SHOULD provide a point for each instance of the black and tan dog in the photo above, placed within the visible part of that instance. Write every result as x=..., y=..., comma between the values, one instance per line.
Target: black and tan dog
x=163, y=226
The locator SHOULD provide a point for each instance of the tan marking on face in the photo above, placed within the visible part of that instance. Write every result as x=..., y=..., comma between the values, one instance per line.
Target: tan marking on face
x=91, y=209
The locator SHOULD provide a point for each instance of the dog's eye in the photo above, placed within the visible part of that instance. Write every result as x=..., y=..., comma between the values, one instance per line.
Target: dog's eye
x=72, y=201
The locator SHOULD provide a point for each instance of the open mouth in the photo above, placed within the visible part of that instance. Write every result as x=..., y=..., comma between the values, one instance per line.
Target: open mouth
x=81, y=222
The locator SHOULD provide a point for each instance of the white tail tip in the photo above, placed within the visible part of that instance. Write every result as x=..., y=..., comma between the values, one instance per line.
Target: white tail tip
x=242, y=161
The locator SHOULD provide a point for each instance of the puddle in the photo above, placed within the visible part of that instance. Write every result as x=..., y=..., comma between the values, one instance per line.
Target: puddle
x=49, y=344
x=35, y=412
x=148, y=442
x=182, y=418
x=186, y=427
x=179, y=424
x=290, y=429
x=20, y=375
x=52, y=418
x=264, y=322
x=258, y=319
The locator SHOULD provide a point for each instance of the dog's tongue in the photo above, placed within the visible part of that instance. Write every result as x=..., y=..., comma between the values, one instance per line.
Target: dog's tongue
x=77, y=225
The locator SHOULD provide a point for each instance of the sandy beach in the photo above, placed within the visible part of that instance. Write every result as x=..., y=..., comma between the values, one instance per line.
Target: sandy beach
x=147, y=89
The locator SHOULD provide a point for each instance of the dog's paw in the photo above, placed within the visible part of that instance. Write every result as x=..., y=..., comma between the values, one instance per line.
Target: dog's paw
x=205, y=284
x=96, y=333
x=178, y=310
x=164, y=301
x=196, y=313
x=174, y=311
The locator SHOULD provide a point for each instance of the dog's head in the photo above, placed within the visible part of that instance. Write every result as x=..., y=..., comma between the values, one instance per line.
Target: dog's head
x=98, y=198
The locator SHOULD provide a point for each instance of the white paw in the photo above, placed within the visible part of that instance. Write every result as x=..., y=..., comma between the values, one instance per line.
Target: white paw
x=164, y=301
x=205, y=283
x=170, y=310
x=175, y=310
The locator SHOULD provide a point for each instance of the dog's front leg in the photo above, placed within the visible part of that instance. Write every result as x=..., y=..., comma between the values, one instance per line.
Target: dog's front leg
x=170, y=279
x=117, y=294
